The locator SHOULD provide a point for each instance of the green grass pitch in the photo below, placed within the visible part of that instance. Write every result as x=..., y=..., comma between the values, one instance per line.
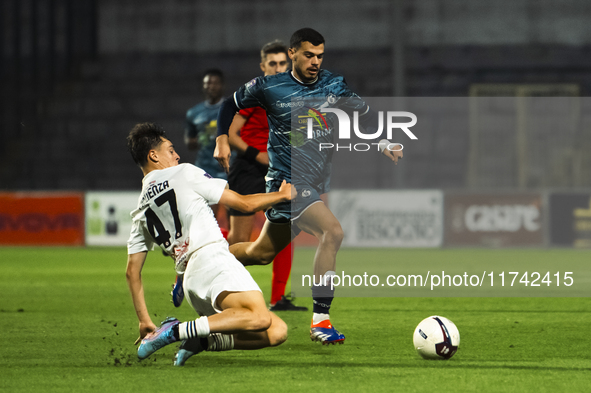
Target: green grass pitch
x=68, y=325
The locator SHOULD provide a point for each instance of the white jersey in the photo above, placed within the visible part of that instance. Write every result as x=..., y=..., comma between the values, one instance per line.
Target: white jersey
x=173, y=212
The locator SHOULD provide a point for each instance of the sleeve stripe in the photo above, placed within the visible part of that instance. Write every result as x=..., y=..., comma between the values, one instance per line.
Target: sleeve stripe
x=236, y=101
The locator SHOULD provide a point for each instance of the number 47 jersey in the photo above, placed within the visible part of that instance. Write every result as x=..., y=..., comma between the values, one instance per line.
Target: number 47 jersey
x=173, y=212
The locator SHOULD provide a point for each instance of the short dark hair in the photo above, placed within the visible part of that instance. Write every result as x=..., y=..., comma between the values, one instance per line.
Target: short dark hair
x=273, y=47
x=142, y=138
x=214, y=72
x=303, y=35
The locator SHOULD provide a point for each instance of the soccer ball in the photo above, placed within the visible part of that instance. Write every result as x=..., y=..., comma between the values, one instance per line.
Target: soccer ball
x=436, y=338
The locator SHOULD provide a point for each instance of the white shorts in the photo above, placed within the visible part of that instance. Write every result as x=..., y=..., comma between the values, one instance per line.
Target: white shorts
x=212, y=270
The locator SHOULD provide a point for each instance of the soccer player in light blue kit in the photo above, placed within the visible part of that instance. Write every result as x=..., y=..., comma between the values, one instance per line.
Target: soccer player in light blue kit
x=305, y=90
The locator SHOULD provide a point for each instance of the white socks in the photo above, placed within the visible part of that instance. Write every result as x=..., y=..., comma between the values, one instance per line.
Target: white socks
x=196, y=328
x=200, y=328
x=317, y=318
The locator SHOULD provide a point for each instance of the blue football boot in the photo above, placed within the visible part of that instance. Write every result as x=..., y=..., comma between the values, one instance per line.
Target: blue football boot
x=158, y=339
x=178, y=295
x=189, y=348
x=326, y=333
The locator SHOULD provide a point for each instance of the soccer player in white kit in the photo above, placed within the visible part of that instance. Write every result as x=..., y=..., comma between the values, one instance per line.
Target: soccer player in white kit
x=173, y=213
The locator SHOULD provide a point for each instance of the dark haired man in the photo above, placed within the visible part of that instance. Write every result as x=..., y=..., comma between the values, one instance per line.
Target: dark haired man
x=308, y=169
x=173, y=213
x=248, y=135
x=201, y=123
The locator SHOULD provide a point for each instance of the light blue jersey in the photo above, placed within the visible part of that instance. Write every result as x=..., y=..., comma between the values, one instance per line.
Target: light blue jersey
x=201, y=123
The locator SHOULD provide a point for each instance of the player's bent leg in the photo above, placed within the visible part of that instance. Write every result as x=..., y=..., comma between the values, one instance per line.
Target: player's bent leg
x=244, y=323
x=273, y=239
x=275, y=335
x=319, y=221
x=277, y=332
x=240, y=228
x=241, y=311
x=263, y=329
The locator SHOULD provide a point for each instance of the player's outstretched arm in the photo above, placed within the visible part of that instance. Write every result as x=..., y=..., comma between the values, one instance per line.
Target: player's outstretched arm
x=133, y=274
x=255, y=202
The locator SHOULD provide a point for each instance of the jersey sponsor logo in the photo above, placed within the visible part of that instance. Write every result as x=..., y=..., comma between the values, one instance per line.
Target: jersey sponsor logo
x=251, y=83
x=294, y=104
x=207, y=175
x=306, y=193
x=153, y=190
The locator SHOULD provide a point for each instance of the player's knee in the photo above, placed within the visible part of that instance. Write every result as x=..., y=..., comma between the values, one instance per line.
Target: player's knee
x=267, y=257
x=277, y=333
x=260, y=321
x=237, y=237
x=264, y=257
x=333, y=236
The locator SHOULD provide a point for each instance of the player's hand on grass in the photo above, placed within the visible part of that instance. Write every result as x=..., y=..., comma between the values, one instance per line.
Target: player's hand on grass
x=288, y=190
x=393, y=155
x=145, y=329
x=223, y=152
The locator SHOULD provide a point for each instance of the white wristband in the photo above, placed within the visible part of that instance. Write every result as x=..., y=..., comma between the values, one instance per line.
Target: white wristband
x=386, y=144
x=383, y=145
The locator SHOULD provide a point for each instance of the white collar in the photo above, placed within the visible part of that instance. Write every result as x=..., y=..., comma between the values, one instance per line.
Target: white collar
x=304, y=83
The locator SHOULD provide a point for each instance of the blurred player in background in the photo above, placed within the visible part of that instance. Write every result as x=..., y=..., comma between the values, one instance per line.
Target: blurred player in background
x=173, y=212
x=248, y=136
x=311, y=170
x=201, y=123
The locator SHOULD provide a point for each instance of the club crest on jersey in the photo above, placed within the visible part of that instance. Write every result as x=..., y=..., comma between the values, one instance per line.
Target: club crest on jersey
x=331, y=98
x=251, y=83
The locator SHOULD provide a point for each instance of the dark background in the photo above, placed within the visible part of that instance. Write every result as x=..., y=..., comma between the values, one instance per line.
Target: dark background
x=77, y=75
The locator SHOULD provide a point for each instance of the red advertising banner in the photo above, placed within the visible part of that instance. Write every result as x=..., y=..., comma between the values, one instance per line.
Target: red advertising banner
x=41, y=218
